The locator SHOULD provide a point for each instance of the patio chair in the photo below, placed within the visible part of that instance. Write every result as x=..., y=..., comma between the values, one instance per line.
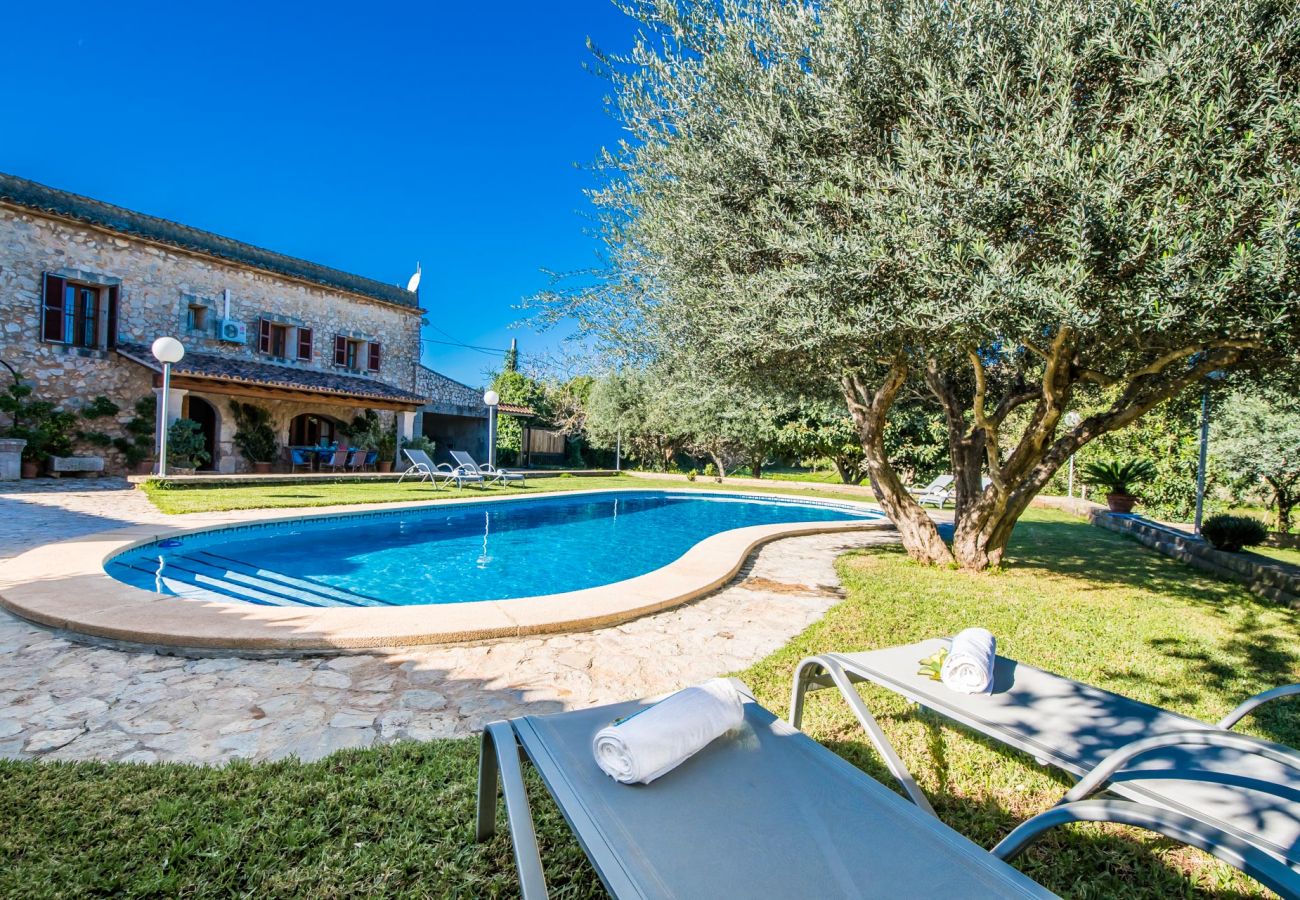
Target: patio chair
x=356, y=459
x=1246, y=787
x=939, y=492
x=372, y=457
x=765, y=811
x=338, y=460
x=488, y=471
x=300, y=458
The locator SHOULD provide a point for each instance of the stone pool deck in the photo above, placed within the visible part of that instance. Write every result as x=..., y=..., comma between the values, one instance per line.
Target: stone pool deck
x=61, y=699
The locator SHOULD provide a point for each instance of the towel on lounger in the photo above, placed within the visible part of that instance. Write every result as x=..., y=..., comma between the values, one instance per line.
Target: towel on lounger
x=656, y=740
x=969, y=665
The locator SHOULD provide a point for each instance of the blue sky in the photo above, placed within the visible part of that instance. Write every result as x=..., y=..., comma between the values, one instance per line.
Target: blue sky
x=364, y=136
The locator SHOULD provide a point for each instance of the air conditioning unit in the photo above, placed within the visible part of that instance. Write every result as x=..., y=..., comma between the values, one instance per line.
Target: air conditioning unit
x=232, y=332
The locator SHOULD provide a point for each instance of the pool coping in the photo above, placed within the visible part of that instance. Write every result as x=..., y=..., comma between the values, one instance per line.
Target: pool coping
x=63, y=585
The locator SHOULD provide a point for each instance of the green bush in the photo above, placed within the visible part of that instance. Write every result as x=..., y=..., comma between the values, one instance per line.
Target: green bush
x=1231, y=533
x=254, y=436
x=1117, y=477
x=138, y=443
x=186, y=448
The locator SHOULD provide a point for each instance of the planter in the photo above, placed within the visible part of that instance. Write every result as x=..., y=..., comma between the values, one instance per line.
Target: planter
x=11, y=458
x=179, y=470
x=1121, y=503
x=385, y=465
x=31, y=469
x=261, y=468
x=144, y=467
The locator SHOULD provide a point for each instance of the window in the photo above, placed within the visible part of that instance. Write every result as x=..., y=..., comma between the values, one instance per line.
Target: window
x=273, y=339
x=372, y=358
x=196, y=317
x=77, y=314
x=347, y=352
x=304, y=344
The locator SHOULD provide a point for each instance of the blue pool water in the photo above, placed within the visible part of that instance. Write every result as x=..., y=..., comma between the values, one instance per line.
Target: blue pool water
x=454, y=553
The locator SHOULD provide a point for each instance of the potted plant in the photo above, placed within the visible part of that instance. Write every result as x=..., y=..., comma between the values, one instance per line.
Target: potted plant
x=186, y=448
x=387, y=447
x=1118, y=478
x=1231, y=533
x=48, y=431
x=254, y=436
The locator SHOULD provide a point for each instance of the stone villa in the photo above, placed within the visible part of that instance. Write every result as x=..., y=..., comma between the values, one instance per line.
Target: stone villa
x=85, y=288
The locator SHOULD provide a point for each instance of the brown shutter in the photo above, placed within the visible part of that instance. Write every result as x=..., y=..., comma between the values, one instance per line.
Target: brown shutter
x=340, y=350
x=373, y=360
x=264, y=335
x=304, y=343
x=110, y=339
x=52, y=309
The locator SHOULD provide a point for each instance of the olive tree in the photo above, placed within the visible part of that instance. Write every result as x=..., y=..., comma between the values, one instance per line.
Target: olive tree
x=1008, y=204
x=1257, y=446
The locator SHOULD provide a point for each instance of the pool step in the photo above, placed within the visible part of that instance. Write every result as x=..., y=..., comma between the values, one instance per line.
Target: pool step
x=287, y=584
x=205, y=576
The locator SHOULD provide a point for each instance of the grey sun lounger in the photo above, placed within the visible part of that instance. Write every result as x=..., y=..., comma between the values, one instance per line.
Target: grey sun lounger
x=487, y=470
x=423, y=468
x=1243, y=786
x=762, y=812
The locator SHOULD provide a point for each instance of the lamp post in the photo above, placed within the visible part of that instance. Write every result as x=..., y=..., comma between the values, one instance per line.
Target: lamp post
x=492, y=398
x=167, y=350
x=1072, y=420
x=1205, y=443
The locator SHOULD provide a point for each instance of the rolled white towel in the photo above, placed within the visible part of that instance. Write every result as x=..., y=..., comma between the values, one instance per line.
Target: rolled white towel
x=969, y=665
x=658, y=739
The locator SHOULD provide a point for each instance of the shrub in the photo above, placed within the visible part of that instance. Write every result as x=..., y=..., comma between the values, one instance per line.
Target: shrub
x=1117, y=477
x=137, y=446
x=1231, y=533
x=186, y=448
x=253, y=433
x=690, y=476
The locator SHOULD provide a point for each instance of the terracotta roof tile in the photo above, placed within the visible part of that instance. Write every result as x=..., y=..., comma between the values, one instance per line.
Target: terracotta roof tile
x=244, y=371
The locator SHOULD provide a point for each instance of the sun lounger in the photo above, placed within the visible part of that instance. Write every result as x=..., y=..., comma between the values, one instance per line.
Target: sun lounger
x=937, y=492
x=422, y=468
x=489, y=472
x=1243, y=786
x=766, y=812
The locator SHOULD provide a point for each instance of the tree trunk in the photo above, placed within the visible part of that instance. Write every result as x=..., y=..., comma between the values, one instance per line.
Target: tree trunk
x=869, y=410
x=756, y=468
x=849, y=472
x=1285, y=503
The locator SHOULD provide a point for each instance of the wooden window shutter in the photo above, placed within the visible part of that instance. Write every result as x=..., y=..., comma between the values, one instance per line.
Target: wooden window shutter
x=110, y=338
x=340, y=350
x=264, y=335
x=372, y=360
x=304, y=343
x=52, y=309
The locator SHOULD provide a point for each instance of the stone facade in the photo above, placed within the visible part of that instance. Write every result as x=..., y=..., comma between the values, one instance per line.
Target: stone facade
x=156, y=287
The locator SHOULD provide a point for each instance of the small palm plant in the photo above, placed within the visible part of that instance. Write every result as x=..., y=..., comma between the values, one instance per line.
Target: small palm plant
x=1118, y=478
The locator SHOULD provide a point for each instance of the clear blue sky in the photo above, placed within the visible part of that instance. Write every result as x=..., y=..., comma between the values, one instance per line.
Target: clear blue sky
x=365, y=136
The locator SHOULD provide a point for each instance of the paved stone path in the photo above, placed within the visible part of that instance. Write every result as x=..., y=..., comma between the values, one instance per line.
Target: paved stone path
x=61, y=699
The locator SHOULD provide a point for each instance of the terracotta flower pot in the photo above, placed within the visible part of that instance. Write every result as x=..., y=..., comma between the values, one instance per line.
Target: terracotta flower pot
x=31, y=469
x=144, y=467
x=385, y=465
x=262, y=468
x=1121, y=503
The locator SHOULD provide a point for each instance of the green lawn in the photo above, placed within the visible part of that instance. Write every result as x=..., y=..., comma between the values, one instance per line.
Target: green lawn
x=212, y=499
x=396, y=821
x=1281, y=554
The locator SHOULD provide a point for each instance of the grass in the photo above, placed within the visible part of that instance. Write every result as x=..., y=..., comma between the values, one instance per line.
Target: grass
x=396, y=820
x=1281, y=554
x=179, y=500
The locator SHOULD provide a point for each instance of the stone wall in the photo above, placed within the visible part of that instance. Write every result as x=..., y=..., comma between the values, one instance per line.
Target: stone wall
x=156, y=284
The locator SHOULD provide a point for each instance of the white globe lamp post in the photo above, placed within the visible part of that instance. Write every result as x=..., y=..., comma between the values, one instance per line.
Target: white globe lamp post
x=492, y=399
x=167, y=350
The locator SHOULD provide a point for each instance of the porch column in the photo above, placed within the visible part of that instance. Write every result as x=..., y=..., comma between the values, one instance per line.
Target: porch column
x=175, y=402
x=405, y=431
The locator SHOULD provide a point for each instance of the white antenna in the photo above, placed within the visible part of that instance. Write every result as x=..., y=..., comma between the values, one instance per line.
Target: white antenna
x=414, y=284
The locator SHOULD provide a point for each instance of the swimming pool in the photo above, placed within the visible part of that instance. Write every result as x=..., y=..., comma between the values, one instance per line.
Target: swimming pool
x=453, y=553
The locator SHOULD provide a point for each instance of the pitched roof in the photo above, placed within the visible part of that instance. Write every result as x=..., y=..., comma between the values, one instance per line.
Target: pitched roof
x=515, y=409
x=29, y=194
x=232, y=369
